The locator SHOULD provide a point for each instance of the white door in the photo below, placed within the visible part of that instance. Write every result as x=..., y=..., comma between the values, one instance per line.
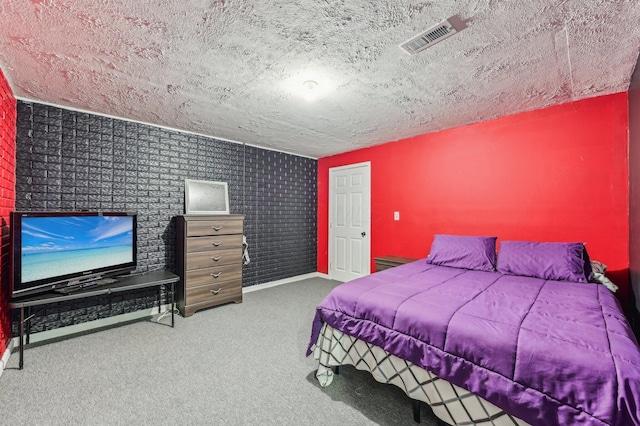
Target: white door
x=349, y=221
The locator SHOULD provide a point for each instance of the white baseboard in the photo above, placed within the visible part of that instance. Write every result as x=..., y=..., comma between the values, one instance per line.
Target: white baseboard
x=283, y=281
x=5, y=356
x=91, y=325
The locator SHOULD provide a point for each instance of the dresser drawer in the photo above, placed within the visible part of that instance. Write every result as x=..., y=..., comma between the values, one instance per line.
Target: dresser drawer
x=213, y=275
x=220, y=242
x=214, y=293
x=214, y=227
x=207, y=259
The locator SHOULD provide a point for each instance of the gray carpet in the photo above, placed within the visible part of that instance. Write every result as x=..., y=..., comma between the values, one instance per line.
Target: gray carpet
x=239, y=364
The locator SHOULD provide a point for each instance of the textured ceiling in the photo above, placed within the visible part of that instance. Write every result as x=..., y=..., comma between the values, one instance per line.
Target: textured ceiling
x=233, y=69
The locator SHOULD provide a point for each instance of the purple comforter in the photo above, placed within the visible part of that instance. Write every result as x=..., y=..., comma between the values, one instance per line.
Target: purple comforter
x=548, y=352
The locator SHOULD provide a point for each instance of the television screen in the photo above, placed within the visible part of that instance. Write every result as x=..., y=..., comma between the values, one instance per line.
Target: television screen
x=55, y=249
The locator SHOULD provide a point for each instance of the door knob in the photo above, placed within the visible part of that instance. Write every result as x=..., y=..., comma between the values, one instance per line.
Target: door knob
x=363, y=234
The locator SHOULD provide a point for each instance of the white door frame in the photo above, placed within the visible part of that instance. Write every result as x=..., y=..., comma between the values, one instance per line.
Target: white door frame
x=332, y=170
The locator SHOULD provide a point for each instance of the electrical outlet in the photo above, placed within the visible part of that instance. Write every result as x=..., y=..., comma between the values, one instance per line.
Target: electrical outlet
x=396, y=215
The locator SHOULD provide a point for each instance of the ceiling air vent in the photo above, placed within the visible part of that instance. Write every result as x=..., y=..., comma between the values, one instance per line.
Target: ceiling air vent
x=429, y=37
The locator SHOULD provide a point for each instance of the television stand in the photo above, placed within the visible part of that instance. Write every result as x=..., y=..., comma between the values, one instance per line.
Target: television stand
x=123, y=283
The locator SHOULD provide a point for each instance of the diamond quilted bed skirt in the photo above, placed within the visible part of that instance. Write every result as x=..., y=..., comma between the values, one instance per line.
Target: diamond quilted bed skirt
x=450, y=403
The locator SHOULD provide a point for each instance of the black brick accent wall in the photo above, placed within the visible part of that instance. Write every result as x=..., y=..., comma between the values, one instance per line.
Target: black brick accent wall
x=68, y=160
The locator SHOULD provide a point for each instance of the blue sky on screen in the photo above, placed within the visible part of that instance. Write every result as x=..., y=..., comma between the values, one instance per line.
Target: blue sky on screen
x=43, y=234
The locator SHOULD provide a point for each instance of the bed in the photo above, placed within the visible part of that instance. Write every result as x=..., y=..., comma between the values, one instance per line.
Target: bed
x=523, y=337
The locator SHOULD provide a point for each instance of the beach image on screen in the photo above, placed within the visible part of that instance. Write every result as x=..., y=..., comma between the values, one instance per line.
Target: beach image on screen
x=53, y=246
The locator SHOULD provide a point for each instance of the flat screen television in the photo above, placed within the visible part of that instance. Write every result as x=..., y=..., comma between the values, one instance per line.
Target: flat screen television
x=58, y=250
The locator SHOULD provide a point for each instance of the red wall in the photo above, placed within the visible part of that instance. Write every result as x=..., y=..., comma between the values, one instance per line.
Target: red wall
x=634, y=191
x=554, y=174
x=7, y=200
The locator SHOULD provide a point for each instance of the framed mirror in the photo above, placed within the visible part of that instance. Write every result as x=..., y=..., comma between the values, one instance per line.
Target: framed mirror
x=205, y=197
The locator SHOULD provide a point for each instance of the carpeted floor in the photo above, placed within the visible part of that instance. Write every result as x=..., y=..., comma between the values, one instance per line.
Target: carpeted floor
x=239, y=364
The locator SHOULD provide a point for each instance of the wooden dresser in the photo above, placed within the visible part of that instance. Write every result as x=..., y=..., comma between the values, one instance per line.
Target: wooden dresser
x=208, y=261
x=386, y=262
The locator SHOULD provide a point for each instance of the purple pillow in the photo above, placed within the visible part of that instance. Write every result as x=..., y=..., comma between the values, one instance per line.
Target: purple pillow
x=549, y=261
x=458, y=251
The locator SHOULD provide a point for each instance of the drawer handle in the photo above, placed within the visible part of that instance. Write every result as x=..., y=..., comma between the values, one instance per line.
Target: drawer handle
x=215, y=259
x=216, y=228
x=216, y=244
x=216, y=275
x=216, y=291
